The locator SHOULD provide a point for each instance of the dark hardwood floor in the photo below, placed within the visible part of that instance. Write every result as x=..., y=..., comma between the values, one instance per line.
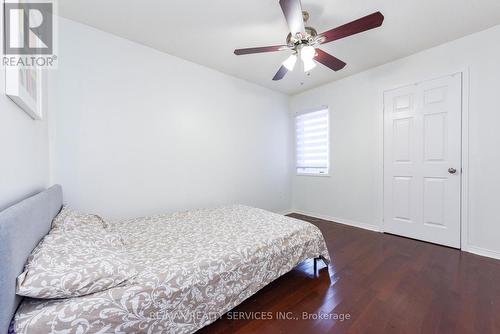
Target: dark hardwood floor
x=383, y=283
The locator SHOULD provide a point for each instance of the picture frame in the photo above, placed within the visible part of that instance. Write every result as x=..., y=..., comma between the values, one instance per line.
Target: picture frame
x=24, y=86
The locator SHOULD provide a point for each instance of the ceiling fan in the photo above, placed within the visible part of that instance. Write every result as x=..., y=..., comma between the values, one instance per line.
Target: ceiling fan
x=304, y=40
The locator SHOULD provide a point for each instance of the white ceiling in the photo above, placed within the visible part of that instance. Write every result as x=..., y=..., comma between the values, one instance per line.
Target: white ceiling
x=207, y=31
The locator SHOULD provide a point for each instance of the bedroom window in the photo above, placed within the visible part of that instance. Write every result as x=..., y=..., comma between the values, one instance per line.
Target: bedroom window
x=312, y=133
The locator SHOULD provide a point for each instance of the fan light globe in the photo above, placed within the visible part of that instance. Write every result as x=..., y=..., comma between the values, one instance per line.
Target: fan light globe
x=290, y=62
x=307, y=53
x=309, y=65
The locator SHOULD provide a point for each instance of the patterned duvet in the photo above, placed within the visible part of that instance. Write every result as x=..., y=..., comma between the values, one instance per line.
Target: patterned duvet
x=193, y=267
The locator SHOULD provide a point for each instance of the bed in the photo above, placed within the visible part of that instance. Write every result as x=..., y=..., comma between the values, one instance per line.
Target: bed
x=192, y=267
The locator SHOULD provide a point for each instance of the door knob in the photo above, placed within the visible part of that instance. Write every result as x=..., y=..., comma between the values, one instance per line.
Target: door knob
x=452, y=170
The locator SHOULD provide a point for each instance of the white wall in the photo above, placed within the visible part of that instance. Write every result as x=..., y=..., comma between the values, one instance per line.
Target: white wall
x=353, y=193
x=139, y=132
x=24, y=163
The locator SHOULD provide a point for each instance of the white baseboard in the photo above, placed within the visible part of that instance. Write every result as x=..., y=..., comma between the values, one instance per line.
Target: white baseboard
x=482, y=252
x=285, y=212
x=370, y=227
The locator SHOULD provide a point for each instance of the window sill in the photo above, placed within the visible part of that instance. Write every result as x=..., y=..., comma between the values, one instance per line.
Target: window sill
x=313, y=175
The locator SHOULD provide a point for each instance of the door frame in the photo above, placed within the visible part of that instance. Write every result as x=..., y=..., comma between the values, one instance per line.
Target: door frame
x=464, y=176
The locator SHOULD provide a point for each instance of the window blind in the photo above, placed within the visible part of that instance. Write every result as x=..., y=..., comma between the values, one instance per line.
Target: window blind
x=312, y=142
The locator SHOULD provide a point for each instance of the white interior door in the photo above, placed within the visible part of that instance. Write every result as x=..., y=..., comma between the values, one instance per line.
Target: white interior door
x=422, y=160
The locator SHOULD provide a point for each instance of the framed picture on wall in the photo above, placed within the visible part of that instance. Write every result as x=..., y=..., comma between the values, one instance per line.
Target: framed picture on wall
x=23, y=84
x=24, y=87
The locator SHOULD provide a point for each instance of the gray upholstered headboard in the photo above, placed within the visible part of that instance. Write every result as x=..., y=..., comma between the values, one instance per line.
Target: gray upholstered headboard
x=22, y=226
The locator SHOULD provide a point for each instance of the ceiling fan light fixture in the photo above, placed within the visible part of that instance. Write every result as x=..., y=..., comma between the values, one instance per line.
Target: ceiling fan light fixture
x=309, y=65
x=304, y=39
x=290, y=62
x=307, y=53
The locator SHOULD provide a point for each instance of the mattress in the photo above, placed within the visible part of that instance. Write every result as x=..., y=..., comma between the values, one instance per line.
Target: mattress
x=193, y=267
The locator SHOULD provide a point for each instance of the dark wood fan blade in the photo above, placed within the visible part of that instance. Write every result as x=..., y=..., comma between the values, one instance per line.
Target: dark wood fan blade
x=281, y=73
x=292, y=9
x=247, y=51
x=355, y=27
x=329, y=61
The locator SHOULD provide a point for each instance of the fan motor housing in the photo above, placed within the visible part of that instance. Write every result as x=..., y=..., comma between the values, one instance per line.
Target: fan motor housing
x=310, y=35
